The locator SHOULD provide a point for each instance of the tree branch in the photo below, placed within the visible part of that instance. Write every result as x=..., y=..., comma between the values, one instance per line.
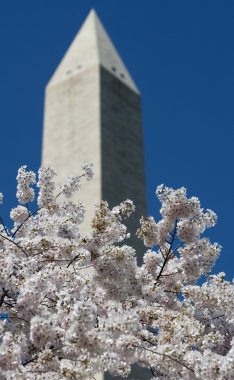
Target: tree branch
x=16, y=244
x=168, y=252
x=166, y=356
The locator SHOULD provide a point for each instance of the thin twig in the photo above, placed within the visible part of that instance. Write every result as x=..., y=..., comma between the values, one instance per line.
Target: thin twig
x=161, y=252
x=167, y=356
x=152, y=371
x=176, y=292
x=29, y=361
x=29, y=216
x=169, y=274
x=52, y=260
x=21, y=319
x=4, y=226
x=74, y=258
x=4, y=294
x=13, y=242
x=168, y=252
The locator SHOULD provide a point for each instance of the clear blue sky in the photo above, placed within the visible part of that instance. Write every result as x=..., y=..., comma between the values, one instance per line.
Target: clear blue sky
x=180, y=54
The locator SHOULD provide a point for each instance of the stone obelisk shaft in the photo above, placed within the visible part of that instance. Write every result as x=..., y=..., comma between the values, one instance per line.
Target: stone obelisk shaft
x=93, y=114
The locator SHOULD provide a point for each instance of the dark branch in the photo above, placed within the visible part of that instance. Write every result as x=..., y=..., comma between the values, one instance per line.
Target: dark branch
x=168, y=252
x=166, y=356
x=16, y=244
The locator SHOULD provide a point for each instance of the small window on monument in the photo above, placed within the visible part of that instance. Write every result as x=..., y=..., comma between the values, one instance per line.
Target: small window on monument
x=68, y=72
x=122, y=75
x=113, y=68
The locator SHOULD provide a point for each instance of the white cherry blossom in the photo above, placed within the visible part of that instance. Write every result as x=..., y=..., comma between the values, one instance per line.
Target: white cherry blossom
x=76, y=304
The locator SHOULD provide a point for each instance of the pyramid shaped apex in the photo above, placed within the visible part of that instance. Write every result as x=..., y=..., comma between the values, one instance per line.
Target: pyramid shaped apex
x=92, y=15
x=92, y=12
x=92, y=46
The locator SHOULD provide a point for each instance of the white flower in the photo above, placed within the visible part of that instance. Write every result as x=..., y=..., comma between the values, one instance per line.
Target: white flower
x=46, y=184
x=78, y=304
x=25, y=193
x=19, y=214
x=88, y=171
x=72, y=185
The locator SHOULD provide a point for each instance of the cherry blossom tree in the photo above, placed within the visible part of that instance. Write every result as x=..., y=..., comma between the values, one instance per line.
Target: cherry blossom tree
x=78, y=304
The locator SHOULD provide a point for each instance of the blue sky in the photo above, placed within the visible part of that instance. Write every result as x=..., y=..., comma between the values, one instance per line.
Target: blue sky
x=180, y=53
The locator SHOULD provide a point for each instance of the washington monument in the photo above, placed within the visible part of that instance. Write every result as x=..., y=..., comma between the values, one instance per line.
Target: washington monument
x=93, y=114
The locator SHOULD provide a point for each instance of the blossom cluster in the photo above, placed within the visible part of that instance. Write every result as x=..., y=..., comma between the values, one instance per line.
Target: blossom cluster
x=77, y=304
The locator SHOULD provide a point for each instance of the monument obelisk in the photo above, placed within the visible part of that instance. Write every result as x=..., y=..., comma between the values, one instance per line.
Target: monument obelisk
x=93, y=114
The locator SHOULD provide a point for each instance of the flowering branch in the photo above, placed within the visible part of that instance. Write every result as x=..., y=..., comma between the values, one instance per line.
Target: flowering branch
x=76, y=304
